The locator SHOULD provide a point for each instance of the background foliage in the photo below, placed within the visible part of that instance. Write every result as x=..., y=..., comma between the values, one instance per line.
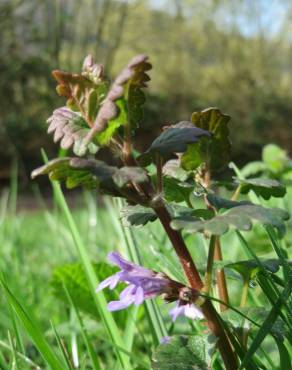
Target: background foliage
x=232, y=54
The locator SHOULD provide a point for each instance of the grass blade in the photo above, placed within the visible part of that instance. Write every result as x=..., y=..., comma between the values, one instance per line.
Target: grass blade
x=90, y=350
x=266, y=326
x=93, y=282
x=33, y=330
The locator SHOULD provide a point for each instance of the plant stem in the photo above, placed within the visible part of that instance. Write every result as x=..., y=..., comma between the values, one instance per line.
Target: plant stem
x=220, y=276
x=211, y=315
x=236, y=193
x=244, y=292
x=159, y=173
x=210, y=261
x=180, y=248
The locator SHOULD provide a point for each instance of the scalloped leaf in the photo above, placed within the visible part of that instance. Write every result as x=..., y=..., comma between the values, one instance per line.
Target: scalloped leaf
x=70, y=127
x=253, y=168
x=240, y=218
x=182, y=352
x=84, y=92
x=127, y=89
x=215, y=151
x=249, y=268
x=137, y=215
x=176, y=191
x=222, y=203
x=266, y=188
x=172, y=140
x=91, y=174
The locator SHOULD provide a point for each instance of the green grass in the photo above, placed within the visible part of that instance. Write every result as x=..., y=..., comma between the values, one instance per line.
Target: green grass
x=38, y=329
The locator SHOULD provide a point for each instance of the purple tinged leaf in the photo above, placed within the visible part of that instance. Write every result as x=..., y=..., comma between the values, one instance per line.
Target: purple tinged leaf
x=133, y=74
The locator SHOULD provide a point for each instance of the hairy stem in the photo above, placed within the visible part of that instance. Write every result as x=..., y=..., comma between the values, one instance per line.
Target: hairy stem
x=211, y=315
x=180, y=248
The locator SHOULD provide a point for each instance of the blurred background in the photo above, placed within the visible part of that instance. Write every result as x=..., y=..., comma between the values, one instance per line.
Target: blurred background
x=233, y=54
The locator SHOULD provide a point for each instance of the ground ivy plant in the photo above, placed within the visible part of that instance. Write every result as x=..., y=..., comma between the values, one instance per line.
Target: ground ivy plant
x=175, y=181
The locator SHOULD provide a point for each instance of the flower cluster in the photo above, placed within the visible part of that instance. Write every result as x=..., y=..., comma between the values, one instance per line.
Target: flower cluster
x=143, y=284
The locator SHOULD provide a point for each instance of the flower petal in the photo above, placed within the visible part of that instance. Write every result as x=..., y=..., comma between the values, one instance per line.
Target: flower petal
x=139, y=296
x=118, y=305
x=118, y=260
x=193, y=312
x=127, y=292
x=110, y=281
x=178, y=310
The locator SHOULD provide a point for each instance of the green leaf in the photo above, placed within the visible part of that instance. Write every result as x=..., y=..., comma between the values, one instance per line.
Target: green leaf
x=73, y=277
x=172, y=168
x=265, y=188
x=253, y=168
x=91, y=173
x=76, y=172
x=173, y=140
x=214, y=151
x=176, y=191
x=266, y=326
x=240, y=217
x=222, y=203
x=137, y=215
x=249, y=268
x=126, y=174
x=103, y=137
x=274, y=158
x=136, y=100
x=258, y=316
x=184, y=353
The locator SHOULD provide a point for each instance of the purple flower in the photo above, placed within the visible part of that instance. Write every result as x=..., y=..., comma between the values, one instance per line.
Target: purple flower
x=188, y=310
x=142, y=283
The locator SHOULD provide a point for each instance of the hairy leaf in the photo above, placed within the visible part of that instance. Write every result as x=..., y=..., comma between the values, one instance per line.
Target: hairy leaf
x=137, y=215
x=176, y=191
x=126, y=174
x=240, y=218
x=184, y=353
x=69, y=127
x=214, y=151
x=173, y=140
x=265, y=188
x=219, y=203
x=172, y=168
x=84, y=92
x=249, y=268
x=91, y=174
x=126, y=88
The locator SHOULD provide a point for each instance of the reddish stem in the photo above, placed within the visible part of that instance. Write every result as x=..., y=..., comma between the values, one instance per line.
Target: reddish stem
x=211, y=315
